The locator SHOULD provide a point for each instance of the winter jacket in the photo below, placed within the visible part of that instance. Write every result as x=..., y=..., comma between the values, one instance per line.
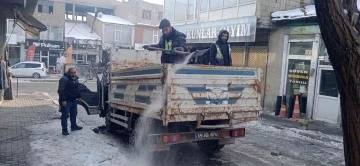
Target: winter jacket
x=68, y=88
x=178, y=41
x=224, y=49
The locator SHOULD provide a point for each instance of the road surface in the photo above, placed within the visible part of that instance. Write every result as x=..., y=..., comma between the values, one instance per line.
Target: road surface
x=266, y=143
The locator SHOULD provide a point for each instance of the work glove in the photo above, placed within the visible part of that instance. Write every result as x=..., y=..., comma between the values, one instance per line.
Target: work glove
x=146, y=47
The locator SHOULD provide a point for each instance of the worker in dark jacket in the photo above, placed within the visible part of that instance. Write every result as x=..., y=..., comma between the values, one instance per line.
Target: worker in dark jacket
x=68, y=94
x=220, y=52
x=170, y=40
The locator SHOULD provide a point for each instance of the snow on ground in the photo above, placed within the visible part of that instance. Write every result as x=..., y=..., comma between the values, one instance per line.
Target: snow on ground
x=50, y=147
x=296, y=147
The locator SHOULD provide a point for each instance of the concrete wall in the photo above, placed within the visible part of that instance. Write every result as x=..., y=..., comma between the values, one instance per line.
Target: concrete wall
x=98, y=26
x=132, y=11
x=139, y=33
x=274, y=68
x=55, y=19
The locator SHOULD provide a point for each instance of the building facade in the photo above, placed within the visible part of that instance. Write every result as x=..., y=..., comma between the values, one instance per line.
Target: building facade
x=304, y=64
x=51, y=45
x=275, y=35
x=146, y=18
x=21, y=11
x=202, y=20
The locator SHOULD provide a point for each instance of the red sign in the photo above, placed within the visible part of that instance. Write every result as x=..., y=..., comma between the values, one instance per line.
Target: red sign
x=31, y=53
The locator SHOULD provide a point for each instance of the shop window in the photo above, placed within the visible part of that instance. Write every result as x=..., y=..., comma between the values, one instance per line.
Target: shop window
x=301, y=48
x=146, y=14
x=215, y=4
x=298, y=77
x=328, y=84
x=180, y=10
x=169, y=9
x=191, y=10
x=37, y=56
x=230, y=3
x=245, y=1
x=204, y=5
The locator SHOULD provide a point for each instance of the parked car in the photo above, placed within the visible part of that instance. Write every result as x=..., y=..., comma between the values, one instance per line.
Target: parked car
x=29, y=69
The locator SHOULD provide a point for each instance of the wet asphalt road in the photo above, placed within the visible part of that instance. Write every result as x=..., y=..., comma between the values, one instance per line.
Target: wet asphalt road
x=255, y=149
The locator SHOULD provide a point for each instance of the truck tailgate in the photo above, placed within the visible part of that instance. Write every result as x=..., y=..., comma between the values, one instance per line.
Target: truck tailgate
x=201, y=93
x=192, y=93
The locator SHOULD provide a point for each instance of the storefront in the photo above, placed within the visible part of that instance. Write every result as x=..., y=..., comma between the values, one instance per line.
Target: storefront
x=249, y=44
x=307, y=72
x=44, y=51
x=86, y=46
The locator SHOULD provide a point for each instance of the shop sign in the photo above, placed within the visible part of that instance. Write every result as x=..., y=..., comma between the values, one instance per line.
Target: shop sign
x=298, y=77
x=303, y=30
x=45, y=45
x=240, y=29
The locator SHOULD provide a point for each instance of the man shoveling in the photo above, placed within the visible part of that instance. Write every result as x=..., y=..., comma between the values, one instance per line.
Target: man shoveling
x=171, y=40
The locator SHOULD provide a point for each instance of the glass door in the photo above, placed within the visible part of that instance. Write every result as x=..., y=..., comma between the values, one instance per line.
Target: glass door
x=327, y=100
x=300, y=69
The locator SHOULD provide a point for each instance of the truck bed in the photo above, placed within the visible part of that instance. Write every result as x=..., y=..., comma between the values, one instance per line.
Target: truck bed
x=192, y=93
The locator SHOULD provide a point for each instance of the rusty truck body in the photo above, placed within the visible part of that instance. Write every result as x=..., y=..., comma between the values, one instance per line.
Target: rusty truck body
x=189, y=103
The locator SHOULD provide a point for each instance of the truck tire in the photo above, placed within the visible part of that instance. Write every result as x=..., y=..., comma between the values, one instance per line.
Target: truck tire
x=209, y=146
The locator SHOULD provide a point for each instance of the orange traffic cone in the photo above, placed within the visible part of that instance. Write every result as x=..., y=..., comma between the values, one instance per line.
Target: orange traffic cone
x=296, y=114
x=283, y=108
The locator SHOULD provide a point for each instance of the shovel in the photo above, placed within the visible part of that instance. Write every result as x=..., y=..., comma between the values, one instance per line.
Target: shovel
x=197, y=53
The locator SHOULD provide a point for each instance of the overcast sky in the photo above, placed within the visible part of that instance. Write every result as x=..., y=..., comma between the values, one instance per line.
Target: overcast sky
x=161, y=2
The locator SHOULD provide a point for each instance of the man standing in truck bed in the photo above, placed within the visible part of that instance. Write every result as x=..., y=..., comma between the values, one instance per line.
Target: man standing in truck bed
x=170, y=40
x=220, y=52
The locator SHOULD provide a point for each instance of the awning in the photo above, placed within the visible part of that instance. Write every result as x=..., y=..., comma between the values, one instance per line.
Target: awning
x=27, y=21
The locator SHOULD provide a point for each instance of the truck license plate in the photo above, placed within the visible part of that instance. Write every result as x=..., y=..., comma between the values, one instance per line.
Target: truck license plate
x=206, y=135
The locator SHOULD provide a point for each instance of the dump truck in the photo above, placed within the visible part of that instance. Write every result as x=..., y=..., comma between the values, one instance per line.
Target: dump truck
x=185, y=103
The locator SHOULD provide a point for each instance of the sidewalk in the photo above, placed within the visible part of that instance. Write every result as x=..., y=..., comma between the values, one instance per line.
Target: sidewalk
x=15, y=116
x=314, y=125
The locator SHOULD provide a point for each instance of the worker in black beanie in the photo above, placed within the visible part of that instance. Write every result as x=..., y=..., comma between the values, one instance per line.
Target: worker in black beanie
x=170, y=40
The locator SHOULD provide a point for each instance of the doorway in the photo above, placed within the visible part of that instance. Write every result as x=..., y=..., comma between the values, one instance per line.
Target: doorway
x=44, y=57
x=300, y=72
x=327, y=98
